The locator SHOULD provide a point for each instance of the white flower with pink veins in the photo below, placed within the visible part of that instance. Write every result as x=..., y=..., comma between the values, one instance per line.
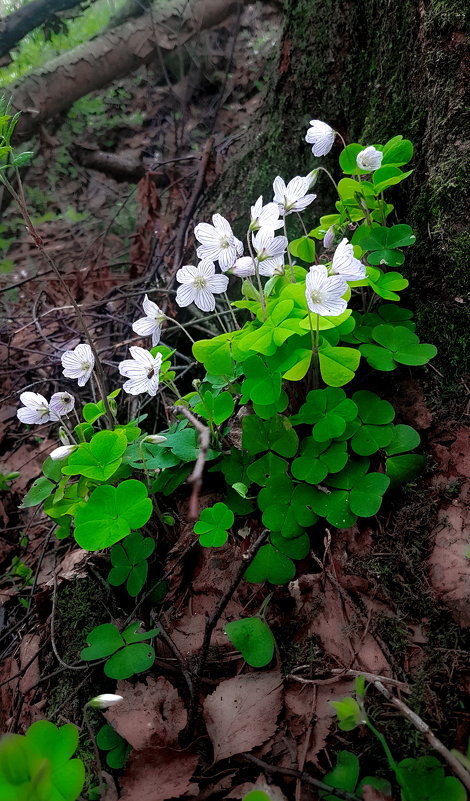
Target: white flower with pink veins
x=369, y=159
x=324, y=292
x=321, y=136
x=143, y=372
x=151, y=324
x=265, y=216
x=35, y=409
x=294, y=196
x=269, y=251
x=78, y=363
x=218, y=242
x=199, y=285
x=345, y=263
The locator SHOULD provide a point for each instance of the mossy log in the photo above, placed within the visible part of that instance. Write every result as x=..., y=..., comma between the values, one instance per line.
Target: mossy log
x=373, y=70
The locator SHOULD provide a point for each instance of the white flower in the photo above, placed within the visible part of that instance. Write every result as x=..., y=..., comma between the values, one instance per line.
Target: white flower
x=218, y=242
x=243, y=267
x=292, y=197
x=199, y=285
x=62, y=452
x=35, y=409
x=323, y=292
x=143, y=371
x=329, y=238
x=321, y=136
x=269, y=251
x=78, y=363
x=155, y=439
x=369, y=159
x=345, y=264
x=62, y=403
x=265, y=216
x=105, y=700
x=151, y=324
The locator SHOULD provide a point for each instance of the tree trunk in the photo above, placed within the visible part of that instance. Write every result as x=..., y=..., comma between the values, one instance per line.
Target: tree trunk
x=27, y=18
x=373, y=70
x=95, y=64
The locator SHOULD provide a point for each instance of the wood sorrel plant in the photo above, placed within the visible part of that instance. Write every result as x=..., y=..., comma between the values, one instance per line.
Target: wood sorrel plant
x=313, y=309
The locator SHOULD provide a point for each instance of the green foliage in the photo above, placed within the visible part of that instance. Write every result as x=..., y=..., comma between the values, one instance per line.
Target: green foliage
x=345, y=776
x=129, y=560
x=110, y=513
x=38, y=766
x=212, y=527
x=116, y=747
x=253, y=638
x=126, y=653
x=99, y=458
x=424, y=779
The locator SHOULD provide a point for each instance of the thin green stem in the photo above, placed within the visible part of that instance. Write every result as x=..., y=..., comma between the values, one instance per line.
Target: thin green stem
x=179, y=325
x=289, y=255
x=231, y=310
x=258, y=279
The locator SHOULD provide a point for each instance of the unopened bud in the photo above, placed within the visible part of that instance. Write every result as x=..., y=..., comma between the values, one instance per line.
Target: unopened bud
x=105, y=700
x=154, y=439
x=63, y=436
x=329, y=238
x=62, y=452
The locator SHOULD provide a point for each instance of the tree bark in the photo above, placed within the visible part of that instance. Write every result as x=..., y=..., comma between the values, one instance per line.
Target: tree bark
x=25, y=19
x=373, y=69
x=92, y=65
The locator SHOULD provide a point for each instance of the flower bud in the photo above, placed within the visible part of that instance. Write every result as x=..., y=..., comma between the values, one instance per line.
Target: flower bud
x=105, y=700
x=313, y=177
x=63, y=436
x=329, y=238
x=62, y=452
x=154, y=439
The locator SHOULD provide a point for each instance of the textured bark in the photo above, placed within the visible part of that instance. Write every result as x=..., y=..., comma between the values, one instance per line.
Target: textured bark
x=27, y=18
x=90, y=66
x=374, y=69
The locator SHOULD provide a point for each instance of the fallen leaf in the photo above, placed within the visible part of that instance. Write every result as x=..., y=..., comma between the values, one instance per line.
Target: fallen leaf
x=157, y=775
x=151, y=714
x=449, y=566
x=29, y=650
x=242, y=712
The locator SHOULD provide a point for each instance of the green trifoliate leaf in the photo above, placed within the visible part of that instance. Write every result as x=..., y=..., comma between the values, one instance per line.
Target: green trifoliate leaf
x=99, y=458
x=303, y=248
x=348, y=713
x=116, y=747
x=267, y=467
x=128, y=661
x=365, y=498
x=275, y=435
x=261, y=385
x=397, y=151
x=424, y=779
x=270, y=565
x=345, y=774
x=403, y=344
x=338, y=365
x=111, y=513
x=296, y=548
x=253, y=638
x=405, y=438
x=388, y=175
x=388, y=284
x=318, y=459
x=213, y=525
x=215, y=354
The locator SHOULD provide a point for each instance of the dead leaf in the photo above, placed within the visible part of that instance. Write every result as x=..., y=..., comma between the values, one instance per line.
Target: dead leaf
x=29, y=648
x=242, y=712
x=151, y=714
x=449, y=567
x=157, y=775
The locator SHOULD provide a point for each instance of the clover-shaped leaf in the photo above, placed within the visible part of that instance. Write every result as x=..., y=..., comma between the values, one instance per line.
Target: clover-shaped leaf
x=253, y=638
x=216, y=408
x=355, y=492
x=404, y=467
x=295, y=548
x=338, y=365
x=212, y=527
x=266, y=467
x=387, y=285
x=275, y=434
x=286, y=508
x=328, y=409
x=126, y=652
x=270, y=565
x=99, y=458
x=261, y=385
x=38, y=765
x=374, y=414
x=215, y=354
x=348, y=713
x=317, y=459
x=129, y=560
x=403, y=344
x=424, y=779
x=116, y=747
x=110, y=513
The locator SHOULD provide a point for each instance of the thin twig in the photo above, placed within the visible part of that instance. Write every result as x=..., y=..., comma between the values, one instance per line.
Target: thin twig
x=341, y=673
x=246, y=560
x=297, y=774
x=196, y=476
x=423, y=727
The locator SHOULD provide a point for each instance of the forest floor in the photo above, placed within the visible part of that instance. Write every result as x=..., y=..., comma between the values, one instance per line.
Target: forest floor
x=389, y=597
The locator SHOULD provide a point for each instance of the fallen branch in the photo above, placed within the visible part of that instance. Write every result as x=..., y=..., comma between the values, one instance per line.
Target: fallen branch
x=196, y=476
x=25, y=19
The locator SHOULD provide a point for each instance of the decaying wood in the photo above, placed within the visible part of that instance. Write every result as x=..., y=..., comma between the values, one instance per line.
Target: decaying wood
x=90, y=66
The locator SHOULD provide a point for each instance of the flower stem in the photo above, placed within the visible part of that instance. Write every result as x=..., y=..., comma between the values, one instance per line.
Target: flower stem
x=289, y=256
x=256, y=264
x=231, y=310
